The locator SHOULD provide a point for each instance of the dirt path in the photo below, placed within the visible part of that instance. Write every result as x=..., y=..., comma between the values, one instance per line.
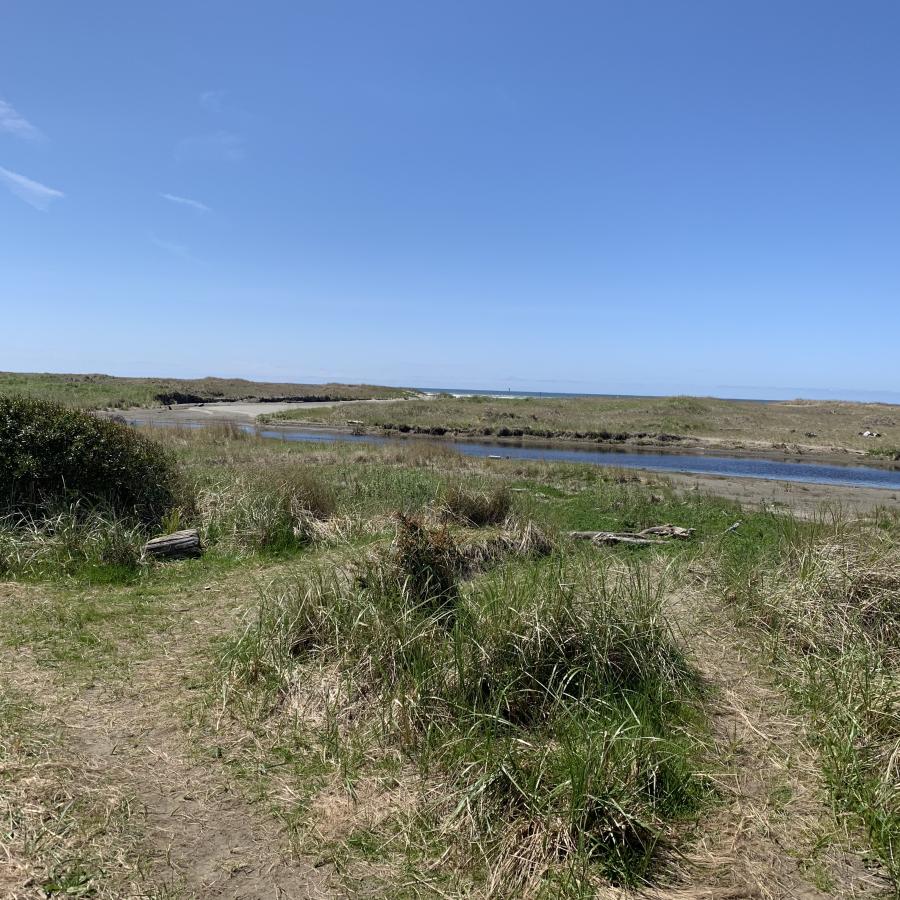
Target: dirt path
x=775, y=836
x=198, y=835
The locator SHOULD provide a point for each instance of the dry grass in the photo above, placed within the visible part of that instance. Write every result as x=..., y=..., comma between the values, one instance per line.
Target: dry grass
x=476, y=507
x=434, y=708
x=831, y=615
x=64, y=831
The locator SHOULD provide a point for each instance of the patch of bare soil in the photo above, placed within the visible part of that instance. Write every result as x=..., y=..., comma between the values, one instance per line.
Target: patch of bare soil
x=775, y=836
x=198, y=835
x=807, y=501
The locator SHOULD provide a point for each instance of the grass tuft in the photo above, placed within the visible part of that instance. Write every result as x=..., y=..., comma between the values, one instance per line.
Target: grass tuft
x=553, y=705
x=476, y=507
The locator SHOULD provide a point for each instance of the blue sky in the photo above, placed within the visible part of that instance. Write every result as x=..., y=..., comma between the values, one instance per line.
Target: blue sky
x=661, y=197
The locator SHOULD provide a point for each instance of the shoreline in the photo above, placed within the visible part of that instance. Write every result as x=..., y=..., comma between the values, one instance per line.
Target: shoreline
x=248, y=413
x=687, y=447
x=802, y=498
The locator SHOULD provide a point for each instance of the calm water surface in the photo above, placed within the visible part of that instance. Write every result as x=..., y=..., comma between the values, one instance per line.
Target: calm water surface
x=736, y=466
x=789, y=470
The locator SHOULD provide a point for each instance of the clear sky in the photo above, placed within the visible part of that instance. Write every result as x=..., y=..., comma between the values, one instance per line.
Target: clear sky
x=638, y=197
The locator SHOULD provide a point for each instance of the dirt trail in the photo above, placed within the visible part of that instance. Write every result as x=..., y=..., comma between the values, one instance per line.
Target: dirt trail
x=199, y=835
x=774, y=837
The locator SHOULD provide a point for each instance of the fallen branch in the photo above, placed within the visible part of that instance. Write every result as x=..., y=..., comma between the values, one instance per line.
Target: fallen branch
x=656, y=534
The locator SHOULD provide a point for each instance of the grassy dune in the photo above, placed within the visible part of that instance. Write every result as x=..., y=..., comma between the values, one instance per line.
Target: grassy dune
x=396, y=660
x=674, y=421
x=109, y=391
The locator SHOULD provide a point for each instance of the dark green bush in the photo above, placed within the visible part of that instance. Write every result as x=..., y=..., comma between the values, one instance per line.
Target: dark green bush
x=52, y=456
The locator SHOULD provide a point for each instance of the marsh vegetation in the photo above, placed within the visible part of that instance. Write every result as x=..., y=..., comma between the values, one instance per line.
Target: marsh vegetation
x=678, y=422
x=395, y=661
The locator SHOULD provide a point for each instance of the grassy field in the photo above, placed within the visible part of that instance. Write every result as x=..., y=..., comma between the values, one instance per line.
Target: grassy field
x=393, y=673
x=672, y=421
x=112, y=392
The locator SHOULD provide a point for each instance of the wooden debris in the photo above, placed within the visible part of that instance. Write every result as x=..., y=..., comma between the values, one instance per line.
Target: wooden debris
x=656, y=534
x=613, y=537
x=675, y=531
x=177, y=544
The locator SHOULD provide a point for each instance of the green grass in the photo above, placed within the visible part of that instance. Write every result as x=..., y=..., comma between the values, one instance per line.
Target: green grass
x=110, y=391
x=419, y=621
x=548, y=698
x=892, y=453
x=62, y=835
x=828, y=604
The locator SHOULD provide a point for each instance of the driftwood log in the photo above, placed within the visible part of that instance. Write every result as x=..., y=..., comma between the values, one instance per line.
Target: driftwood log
x=613, y=537
x=656, y=534
x=179, y=543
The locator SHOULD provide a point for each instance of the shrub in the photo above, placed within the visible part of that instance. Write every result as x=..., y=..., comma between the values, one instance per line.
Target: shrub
x=53, y=456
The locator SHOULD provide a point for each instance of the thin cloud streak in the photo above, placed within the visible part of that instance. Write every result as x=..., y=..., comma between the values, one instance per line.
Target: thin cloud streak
x=186, y=201
x=15, y=124
x=32, y=192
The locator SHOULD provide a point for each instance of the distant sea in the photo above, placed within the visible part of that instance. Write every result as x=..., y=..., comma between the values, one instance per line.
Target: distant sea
x=485, y=392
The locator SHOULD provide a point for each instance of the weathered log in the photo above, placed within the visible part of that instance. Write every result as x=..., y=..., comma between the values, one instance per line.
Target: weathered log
x=668, y=531
x=613, y=537
x=179, y=543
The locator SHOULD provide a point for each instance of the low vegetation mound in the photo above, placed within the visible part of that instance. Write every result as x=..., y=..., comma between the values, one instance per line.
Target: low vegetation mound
x=553, y=707
x=53, y=457
x=104, y=391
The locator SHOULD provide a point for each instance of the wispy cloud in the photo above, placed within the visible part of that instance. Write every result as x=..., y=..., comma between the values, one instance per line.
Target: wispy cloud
x=186, y=201
x=216, y=147
x=212, y=100
x=13, y=123
x=32, y=192
x=171, y=247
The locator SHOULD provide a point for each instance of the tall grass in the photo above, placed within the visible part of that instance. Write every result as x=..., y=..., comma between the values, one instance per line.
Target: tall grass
x=96, y=546
x=270, y=511
x=549, y=698
x=831, y=611
x=473, y=506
